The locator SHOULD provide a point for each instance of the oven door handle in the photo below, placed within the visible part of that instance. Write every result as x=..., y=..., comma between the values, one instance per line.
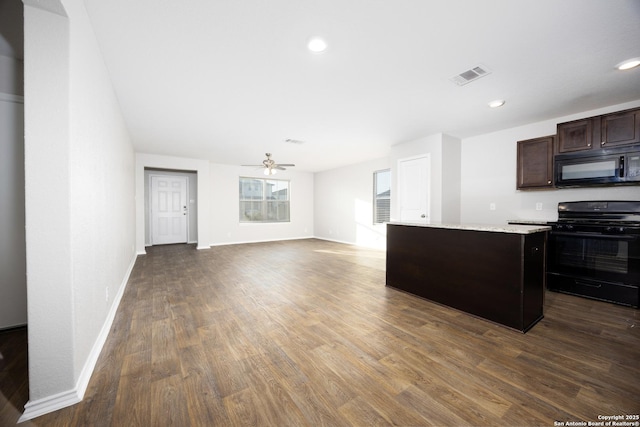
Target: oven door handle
x=595, y=235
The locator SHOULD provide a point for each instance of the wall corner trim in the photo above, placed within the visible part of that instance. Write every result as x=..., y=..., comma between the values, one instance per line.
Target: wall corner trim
x=71, y=397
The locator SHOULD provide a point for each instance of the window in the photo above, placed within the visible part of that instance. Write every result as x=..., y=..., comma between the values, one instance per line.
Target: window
x=382, y=196
x=264, y=200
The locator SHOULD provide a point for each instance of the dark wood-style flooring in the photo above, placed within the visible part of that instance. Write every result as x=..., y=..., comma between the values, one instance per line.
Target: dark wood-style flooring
x=14, y=380
x=305, y=333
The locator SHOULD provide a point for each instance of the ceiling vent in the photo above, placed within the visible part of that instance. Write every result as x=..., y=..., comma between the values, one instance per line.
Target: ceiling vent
x=470, y=75
x=293, y=141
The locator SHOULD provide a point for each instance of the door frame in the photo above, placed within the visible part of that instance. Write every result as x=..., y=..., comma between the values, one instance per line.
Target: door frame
x=150, y=197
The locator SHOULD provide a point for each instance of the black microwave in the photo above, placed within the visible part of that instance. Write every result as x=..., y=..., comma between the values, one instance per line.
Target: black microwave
x=605, y=167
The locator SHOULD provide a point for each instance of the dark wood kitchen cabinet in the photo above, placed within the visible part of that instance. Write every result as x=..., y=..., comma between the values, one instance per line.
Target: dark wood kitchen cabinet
x=577, y=135
x=535, y=163
x=620, y=129
x=594, y=133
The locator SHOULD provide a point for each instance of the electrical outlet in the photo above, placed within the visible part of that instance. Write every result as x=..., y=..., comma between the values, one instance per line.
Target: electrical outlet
x=538, y=206
x=492, y=206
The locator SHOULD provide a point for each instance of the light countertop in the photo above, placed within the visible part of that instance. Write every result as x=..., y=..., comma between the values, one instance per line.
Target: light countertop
x=496, y=228
x=529, y=221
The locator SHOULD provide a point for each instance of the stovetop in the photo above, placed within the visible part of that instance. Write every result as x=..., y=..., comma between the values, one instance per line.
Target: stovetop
x=605, y=213
x=603, y=217
x=599, y=223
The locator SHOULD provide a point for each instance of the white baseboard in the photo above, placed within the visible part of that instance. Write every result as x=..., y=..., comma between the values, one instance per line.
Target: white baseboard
x=39, y=407
x=350, y=243
x=336, y=241
x=242, y=242
x=34, y=409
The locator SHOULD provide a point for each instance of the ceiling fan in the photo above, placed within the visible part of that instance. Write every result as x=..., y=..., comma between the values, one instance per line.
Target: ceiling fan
x=270, y=166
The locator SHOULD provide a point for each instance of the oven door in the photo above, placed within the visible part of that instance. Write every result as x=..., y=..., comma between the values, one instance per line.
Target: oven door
x=597, y=265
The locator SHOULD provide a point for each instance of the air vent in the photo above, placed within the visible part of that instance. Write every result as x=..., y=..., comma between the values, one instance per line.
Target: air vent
x=470, y=75
x=293, y=141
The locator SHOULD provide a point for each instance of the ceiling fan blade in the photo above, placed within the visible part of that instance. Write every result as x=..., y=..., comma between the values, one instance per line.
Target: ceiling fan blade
x=254, y=166
x=279, y=167
x=286, y=164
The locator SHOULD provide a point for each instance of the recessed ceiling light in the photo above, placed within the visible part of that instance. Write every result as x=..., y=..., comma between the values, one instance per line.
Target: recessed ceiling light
x=317, y=45
x=497, y=103
x=628, y=64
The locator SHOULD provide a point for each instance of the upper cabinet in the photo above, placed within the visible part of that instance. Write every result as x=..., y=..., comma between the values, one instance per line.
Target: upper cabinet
x=594, y=133
x=587, y=138
x=535, y=163
x=620, y=129
x=576, y=135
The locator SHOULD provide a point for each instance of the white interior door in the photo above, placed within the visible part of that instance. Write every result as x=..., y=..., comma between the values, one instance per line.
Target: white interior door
x=168, y=209
x=413, y=189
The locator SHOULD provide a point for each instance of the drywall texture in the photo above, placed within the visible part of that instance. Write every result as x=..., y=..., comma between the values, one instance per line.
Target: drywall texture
x=47, y=203
x=80, y=211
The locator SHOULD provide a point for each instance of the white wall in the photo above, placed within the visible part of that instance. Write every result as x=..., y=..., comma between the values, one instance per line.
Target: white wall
x=466, y=178
x=225, y=219
x=451, y=178
x=218, y=204
x=489, y=176
x=13, y=279
x=444, y=182
x=343, y=205
x=80, y=211
x=47, y=204
x=11, y=76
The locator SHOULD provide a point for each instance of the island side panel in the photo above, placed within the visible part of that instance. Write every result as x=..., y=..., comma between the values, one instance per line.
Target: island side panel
x=478, y=272
x=534, y=278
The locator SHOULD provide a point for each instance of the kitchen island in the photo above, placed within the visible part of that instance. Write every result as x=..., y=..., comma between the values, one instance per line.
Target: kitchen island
x=496, y=272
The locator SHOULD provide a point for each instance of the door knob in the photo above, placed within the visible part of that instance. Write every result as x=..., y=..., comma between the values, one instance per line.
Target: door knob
x=423, y=216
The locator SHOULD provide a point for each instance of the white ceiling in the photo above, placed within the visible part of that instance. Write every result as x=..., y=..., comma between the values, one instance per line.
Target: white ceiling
x=230, y=80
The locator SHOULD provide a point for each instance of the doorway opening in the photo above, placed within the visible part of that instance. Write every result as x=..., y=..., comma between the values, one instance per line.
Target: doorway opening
x=171, y=206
